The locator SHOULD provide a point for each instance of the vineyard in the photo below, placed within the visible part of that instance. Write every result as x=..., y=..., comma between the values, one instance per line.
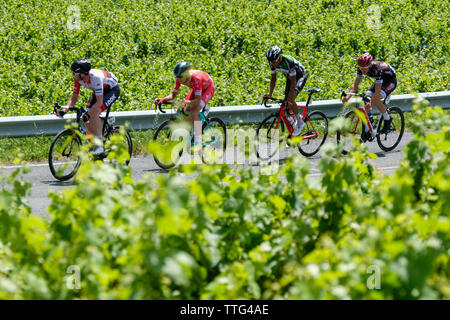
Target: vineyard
x=140, y=41
x=353, y=233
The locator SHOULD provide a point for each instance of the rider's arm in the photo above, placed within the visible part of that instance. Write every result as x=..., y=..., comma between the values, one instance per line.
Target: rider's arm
x=353, y=89
x=73, y=100
x=355, y=85
x=172, y=95
x=76, y=91
x=273, y=82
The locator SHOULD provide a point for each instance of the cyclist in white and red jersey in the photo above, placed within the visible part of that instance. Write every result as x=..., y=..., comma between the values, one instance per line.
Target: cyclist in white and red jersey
x=385, y=83
x=202, y=90
x=105, y=92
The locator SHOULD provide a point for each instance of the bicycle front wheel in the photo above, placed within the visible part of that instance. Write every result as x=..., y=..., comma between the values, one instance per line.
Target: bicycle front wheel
x=269, y=137
x=170, y=144
x=214, y=140
x=354, y=129
x=389, y=140
x=63, y=157
x=314, y=133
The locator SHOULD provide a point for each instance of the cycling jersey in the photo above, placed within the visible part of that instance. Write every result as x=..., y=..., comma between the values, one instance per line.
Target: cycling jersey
x=289, y=67
x=380, y=71
x=201, y=85
x=98, y=80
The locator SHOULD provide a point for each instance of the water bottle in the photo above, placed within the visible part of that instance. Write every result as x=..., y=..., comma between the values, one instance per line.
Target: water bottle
x=111, y=120
x=83, y=128
x=206, y=110
x=292, y=120
x=371, y=118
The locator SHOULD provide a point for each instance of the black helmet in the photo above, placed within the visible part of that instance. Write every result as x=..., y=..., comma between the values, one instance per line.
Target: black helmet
x=180, y=68
x=273, y=53
x=81, y=66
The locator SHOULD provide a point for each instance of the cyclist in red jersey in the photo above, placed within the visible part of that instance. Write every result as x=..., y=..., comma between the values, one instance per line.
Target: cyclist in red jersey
x=105, y=89
x=202, y=90
x=385, y=83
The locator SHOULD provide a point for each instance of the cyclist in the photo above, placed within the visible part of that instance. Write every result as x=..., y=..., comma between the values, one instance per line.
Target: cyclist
x=385, y=83
x=295, y=81
x=105, y=89
x=202, y=90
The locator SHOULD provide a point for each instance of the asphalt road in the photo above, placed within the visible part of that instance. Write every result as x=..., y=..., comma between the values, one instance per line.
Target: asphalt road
x=142, y=165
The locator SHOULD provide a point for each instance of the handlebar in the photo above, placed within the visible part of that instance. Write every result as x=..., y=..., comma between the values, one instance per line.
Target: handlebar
x=80, y=111
x=158, y=105
x=361, y=95
x=273, y=99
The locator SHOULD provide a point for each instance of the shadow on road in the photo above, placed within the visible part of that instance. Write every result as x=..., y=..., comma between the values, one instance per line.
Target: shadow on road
x=59, y=183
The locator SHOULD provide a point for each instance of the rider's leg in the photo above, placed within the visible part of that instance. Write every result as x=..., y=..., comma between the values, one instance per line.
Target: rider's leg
x=293, y=108
x=94, y=125
x=195, y=118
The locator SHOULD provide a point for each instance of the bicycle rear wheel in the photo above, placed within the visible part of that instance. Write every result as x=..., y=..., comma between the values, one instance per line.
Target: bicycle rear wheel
x=63, y=156
x=269, y=137
x=120, y=141
x=170, y=144
x=314, y=133
x=354, y=128
x=389, y=140
x=214, y=140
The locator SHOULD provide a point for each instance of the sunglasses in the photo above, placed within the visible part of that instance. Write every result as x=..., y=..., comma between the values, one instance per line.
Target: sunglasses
x=364, y=68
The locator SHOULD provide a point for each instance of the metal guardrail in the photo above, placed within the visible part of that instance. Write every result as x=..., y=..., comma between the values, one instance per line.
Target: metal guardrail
x=141, y=120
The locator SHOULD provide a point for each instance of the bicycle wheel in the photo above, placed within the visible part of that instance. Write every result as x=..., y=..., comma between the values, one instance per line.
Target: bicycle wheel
x=119, y=141
x=314, y=133
x=389, y=140
x=354, y=129
x=170, y=143
x=63, y=156
x=269, y=137
x=214, y=140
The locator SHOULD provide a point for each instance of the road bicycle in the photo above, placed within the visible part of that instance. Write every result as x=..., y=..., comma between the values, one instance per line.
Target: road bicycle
x=173, y=135
x=64, y=155
x=387, y=140
x=271, y=136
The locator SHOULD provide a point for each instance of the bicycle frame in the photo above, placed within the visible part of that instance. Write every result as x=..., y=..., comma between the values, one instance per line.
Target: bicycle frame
x=203, y=119
x=372, y=130
x=283, y=115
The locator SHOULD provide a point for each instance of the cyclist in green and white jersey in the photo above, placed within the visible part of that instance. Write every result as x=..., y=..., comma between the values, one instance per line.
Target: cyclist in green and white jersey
x=295, y=81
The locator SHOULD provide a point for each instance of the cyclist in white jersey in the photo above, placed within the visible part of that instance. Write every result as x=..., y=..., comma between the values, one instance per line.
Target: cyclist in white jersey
x=105, y=89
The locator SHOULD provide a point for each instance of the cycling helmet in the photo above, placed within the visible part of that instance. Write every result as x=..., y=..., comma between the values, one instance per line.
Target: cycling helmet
x=81, y=66
x=273, y=53
x=365, y=60
x=181, y=68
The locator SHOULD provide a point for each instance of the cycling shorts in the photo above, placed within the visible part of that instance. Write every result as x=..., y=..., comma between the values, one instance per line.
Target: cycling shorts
x=386, y=88
x=110, y=95
x=206, y=95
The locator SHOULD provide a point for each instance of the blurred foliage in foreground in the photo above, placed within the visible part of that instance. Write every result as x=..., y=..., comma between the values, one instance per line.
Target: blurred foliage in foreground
x=227, y=234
